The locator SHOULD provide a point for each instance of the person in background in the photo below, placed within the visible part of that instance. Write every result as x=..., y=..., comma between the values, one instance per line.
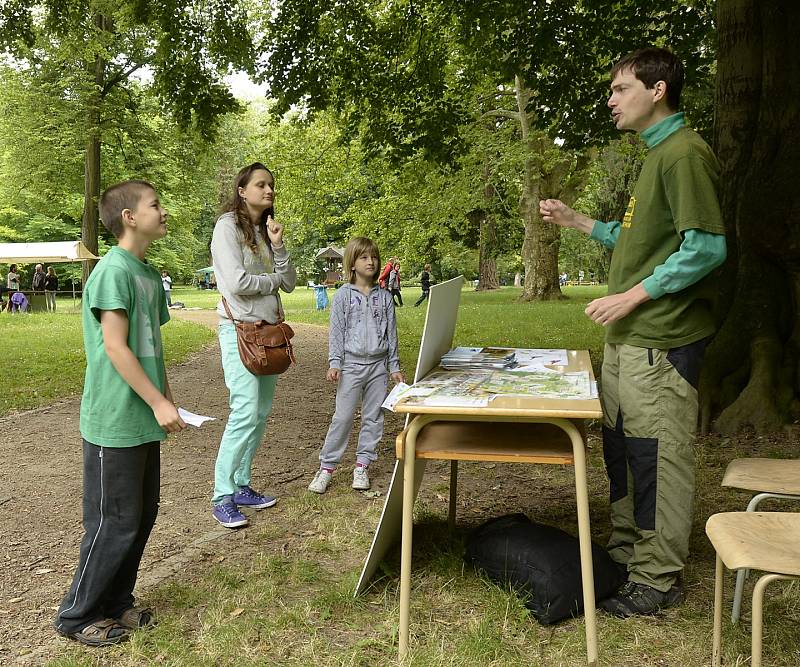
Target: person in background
x=37, y=282
x=384, y=275
x=12, y=280
x=50, y=289
x=425, y=283
x=166, y=283
x=393, y=284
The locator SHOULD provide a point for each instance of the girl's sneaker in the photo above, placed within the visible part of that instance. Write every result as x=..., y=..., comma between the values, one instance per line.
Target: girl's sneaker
x=321, y=481
x=360, y=478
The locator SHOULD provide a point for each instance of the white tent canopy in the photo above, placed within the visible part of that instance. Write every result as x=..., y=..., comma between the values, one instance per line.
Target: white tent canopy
x=46, y=253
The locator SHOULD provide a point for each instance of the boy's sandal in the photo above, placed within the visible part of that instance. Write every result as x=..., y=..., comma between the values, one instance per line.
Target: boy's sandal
x=102, y=633
x=135, y=618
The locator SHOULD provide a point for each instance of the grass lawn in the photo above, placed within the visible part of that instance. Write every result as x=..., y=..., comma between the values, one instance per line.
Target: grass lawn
x=286, y=599
x=47, y=349
x=495, y=318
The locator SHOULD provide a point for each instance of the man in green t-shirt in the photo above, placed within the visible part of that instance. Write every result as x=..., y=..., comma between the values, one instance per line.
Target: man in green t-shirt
x=126, y=410
x=658, y=318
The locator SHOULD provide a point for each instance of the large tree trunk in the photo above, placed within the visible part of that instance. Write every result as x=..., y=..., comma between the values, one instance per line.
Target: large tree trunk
x=548, y=172
x=91, y=177
x=751, y=371
x=541, y=242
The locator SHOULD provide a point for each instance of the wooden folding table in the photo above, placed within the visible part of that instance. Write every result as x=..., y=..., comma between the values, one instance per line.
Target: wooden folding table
x=511, y=429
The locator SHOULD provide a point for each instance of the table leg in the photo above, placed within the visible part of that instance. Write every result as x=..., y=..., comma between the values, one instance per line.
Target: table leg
x=409, y=461
x=451, y=515
x=585, y=539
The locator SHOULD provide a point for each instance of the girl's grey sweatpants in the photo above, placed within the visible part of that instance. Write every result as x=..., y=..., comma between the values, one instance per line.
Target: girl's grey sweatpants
x=358, y=383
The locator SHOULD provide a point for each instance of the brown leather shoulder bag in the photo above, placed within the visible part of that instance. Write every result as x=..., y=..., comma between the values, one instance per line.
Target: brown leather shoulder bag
x=265, y=349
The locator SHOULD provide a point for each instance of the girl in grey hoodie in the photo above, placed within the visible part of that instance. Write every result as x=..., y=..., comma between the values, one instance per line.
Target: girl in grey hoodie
x=362, y=353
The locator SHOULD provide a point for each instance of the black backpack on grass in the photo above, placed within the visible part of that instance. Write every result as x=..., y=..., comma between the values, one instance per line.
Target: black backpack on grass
x=541, y=564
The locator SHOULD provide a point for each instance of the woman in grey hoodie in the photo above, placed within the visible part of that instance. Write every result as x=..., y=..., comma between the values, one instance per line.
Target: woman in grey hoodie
x=251, y=264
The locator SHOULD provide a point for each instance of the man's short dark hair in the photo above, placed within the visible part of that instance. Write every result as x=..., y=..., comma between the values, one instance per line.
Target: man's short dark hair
x=652, y=65
x=116, y=199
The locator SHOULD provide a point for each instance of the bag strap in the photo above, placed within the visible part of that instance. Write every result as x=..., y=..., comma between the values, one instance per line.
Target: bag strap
x=228, y=310
x=235, y=321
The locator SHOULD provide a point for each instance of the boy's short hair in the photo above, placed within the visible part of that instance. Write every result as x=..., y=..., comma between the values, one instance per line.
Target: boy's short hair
x=651, y=65
x=116, y=199
x=355, y=248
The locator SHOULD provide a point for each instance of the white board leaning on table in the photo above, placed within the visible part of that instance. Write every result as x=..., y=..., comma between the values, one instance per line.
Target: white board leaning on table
x=437, y=338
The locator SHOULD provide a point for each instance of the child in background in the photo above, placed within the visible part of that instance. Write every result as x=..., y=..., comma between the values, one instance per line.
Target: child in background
x=393, y=284
x=362, y=340
x=384, y=277
x=50, y=289
x=126, y=410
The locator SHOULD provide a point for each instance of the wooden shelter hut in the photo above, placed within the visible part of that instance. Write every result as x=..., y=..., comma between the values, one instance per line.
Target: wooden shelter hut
x=332, y=257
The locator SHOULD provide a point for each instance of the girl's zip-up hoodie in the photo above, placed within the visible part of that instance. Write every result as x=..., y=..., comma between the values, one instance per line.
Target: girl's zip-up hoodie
x=362, y=328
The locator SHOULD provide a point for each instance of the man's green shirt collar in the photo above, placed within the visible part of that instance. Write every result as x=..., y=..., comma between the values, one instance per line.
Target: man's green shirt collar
x=655, y=134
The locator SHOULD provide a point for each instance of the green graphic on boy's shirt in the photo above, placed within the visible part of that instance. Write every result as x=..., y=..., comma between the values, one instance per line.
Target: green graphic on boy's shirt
x=148, y=340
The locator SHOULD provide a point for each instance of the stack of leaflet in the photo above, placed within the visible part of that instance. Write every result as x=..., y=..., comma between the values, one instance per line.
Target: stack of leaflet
x=479, y=358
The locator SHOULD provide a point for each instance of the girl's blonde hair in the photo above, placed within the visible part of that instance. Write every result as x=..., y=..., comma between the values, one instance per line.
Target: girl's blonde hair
x=355, y=248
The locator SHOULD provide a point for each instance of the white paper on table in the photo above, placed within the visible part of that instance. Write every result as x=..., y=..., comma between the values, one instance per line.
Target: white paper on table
x=395, y=395
x=192, y=419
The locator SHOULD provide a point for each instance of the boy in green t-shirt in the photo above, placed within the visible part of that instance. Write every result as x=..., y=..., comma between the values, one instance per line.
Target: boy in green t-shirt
x=126, y=410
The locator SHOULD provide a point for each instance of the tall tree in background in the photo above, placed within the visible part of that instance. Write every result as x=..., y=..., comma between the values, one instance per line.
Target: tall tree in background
x=402, y=74
x=752, y=370
x=91, y=49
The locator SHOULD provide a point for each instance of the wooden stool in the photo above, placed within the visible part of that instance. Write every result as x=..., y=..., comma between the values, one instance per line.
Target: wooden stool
x=771, y=478
x=768, y=541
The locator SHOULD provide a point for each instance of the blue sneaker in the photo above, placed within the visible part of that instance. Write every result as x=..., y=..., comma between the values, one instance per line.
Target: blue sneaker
x=246, y=497
x=228, y=514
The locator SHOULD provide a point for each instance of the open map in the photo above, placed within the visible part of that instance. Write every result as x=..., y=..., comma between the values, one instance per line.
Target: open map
x=478, y=388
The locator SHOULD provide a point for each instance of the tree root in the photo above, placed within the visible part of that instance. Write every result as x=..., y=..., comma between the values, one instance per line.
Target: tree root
x=758, y=405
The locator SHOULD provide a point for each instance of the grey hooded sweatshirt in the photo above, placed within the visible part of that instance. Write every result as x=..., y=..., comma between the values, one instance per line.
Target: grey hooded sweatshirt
x=362, y=328
x=249, y=282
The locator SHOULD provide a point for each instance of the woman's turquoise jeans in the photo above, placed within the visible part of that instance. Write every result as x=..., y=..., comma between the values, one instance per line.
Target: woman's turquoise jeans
x=250, y=402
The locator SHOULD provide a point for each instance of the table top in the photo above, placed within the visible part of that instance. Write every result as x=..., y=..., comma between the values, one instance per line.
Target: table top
x=525, y=406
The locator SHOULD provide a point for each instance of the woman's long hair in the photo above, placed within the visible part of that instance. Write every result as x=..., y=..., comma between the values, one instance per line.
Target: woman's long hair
x=239, y=208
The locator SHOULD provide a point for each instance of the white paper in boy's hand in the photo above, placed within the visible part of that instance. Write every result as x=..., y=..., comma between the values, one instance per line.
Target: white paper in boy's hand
x=192, y=419
x=395, y=395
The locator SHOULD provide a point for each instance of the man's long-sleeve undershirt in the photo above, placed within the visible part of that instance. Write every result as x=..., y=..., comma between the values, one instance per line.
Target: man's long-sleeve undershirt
x=700, y=253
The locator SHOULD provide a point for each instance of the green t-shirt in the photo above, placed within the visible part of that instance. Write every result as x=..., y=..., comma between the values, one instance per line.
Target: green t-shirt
x=676, y=191
x=112, y=414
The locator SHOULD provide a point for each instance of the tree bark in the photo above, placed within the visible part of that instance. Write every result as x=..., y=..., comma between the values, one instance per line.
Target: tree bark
x=559, y=176
x=91, y=184
x=751, y=371
x=541, y=242
x=487, y=241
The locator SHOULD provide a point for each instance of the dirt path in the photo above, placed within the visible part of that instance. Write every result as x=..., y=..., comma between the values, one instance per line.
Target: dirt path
x=40, y=485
